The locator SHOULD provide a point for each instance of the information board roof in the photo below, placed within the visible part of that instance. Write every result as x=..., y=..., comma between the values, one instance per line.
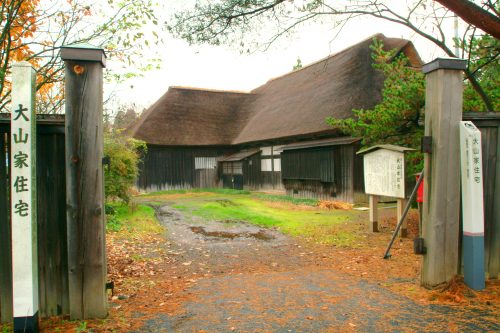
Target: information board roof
x=388, y=147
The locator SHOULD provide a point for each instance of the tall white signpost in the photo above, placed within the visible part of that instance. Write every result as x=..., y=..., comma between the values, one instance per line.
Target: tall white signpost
x=23, y=202
x=472, y=205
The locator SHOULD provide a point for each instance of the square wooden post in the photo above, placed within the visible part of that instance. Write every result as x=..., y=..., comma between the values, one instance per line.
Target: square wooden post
x=373, y=204
x=441, y=206
x=400, y=207
x=84, y=181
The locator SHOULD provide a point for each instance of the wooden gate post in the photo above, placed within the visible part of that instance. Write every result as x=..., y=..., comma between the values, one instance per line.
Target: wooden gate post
x=441, y=206
x=84, y=181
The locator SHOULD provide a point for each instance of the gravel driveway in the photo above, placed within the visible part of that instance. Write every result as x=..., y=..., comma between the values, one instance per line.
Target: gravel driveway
x=249, y=279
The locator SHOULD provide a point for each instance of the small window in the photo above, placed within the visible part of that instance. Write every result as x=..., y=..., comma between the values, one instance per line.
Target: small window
x=265, y=164
x=266, y=151
x=277, y=164
x=226, y=168
x=237, y=168
x=205, y=163
x=232, y=168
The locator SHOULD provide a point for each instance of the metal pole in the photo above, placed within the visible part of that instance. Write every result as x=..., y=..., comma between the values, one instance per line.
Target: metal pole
x=407, y=208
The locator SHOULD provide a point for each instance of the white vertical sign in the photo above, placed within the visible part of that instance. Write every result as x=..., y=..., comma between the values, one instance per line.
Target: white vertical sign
x=472, y=178
x=472, y=205
x=23, y=202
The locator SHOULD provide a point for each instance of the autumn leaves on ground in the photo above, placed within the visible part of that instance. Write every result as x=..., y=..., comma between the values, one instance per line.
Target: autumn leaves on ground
x=153, y=276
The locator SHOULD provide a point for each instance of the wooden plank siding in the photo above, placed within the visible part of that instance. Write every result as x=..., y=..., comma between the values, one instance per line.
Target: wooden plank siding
x=5, y=232
x=489, y=125
x=168, y=168
x=52, y=237
x=252, y=179
x=358, y=176
x=321, y=173
x=270, y=180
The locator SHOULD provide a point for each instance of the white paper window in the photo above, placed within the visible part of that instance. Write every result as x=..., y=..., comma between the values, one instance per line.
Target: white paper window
x=277, y=164
x=277, y=150
x=205, y=163
x=265, y=165
x=266, y=151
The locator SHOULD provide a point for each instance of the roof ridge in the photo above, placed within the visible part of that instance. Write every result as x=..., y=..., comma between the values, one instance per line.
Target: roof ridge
x=323, y=59
x=211, y=90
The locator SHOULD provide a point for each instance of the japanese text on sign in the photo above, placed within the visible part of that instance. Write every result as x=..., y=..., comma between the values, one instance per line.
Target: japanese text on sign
x=384, y=173
x=21, y=180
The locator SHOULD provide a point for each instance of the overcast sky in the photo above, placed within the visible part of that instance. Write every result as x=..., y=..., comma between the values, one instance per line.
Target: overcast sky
x=225, y=68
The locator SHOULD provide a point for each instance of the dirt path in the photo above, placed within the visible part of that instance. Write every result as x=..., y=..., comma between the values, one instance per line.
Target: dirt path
x=232, y=276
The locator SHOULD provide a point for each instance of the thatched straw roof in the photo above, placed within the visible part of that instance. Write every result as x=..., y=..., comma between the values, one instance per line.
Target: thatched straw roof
x=189, y=116
x=293, y=105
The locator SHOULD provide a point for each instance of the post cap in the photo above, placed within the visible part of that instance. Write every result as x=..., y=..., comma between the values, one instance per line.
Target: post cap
x=444, y=63
x=22, y=64
x=83, y=52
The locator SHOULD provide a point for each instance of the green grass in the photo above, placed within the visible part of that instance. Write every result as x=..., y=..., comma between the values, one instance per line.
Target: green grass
x=286, y=198
x=297, y=217
x=6, y=328
x=136, y=218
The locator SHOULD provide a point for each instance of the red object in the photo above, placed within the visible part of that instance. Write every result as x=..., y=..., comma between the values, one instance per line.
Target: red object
x=420, y=190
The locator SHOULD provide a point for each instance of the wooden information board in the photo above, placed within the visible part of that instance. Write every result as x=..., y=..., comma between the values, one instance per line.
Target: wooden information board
x=384, y=172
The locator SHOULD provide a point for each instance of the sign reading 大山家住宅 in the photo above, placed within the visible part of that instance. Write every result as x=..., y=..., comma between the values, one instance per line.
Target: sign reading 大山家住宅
x=472, y=205
x=23, y=199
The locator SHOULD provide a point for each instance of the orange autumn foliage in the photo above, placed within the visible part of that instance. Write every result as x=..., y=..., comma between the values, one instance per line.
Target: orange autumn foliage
x=20, y=22
x=20, y=18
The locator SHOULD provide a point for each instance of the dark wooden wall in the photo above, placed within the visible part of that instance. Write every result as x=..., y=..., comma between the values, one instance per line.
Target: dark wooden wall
x=166, y=168
x=321, y=173
x=51, y=201
x=5, y=243
x=271, y=180
x=52, y=236
x=489, y=125
x=252, y=176
x=358, y=176
x=336, y=178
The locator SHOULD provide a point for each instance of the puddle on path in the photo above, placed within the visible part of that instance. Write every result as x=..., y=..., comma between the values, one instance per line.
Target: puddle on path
x=261, y=234
x=189, y=229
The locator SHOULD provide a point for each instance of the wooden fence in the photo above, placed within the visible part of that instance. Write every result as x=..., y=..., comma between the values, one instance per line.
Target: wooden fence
x=51, y=201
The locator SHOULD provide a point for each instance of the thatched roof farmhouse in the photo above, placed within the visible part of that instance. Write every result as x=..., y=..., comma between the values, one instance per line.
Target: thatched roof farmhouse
x=202, y=127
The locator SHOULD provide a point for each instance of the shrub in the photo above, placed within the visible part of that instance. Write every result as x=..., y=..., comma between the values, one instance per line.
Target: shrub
x=124, y=155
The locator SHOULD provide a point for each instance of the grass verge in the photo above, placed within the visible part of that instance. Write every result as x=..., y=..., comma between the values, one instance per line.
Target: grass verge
x=137, y=219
